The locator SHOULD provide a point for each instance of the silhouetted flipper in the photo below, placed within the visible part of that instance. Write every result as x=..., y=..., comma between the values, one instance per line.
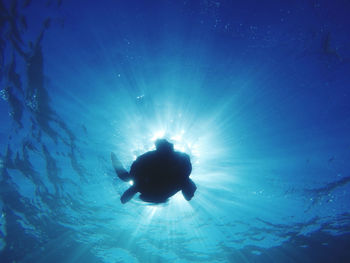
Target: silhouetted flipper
x=188, y=189
x=128, y=194
x=119, y=169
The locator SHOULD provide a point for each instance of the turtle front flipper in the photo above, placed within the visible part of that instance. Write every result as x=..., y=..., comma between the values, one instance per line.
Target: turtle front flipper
x=188, y=189
x=119, y=169
x=128, y=194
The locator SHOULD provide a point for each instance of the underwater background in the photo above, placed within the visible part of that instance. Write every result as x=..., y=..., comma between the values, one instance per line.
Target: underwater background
x=256, y=92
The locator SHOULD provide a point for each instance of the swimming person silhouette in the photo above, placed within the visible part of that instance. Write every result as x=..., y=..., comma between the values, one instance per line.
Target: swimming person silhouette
x=157, y=175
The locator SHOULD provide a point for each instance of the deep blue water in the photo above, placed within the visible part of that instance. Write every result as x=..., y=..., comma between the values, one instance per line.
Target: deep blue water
x=256, y=92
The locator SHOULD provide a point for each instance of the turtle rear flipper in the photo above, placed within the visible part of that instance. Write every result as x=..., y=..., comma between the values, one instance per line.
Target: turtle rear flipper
x=119, y=169
x=188, y=189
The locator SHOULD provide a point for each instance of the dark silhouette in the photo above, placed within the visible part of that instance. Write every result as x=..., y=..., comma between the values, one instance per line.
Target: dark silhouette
x=157, y=175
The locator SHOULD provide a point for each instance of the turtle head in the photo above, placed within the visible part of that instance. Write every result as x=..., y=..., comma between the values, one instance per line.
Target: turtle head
x=163, y=145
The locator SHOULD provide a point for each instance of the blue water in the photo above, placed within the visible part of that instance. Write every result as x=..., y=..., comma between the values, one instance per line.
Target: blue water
x=256, y=92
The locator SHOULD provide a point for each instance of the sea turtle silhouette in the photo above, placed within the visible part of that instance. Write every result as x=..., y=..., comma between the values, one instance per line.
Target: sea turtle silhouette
x=157, y=175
